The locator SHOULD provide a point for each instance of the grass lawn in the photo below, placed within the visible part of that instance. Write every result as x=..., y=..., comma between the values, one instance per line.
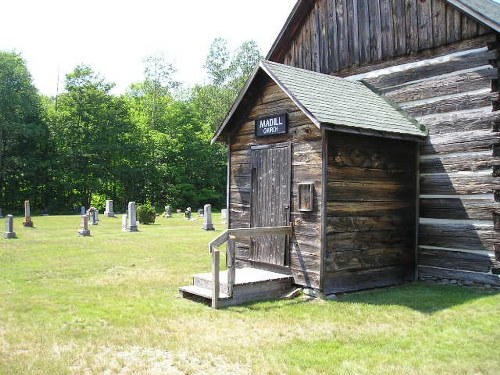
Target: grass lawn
x=108, y=304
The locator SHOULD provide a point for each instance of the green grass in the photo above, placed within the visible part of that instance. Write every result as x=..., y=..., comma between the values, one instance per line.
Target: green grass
x=109, y=304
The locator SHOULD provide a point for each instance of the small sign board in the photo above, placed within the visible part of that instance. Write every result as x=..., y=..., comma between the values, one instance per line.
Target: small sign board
x=271, y=125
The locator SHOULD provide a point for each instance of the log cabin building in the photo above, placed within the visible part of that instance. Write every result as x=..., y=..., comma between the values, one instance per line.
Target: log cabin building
x=373, y=128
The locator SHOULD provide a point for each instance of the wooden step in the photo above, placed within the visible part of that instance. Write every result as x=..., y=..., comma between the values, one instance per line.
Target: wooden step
x=251, y=285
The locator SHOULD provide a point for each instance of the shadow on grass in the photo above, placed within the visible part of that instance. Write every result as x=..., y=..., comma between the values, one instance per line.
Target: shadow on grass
x=425, y=298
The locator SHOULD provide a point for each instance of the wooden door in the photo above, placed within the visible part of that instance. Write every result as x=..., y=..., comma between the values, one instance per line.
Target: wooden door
x=270, y=201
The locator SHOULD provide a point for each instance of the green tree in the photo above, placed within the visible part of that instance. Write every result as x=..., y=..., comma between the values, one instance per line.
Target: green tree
x=95, y=139
x=23, y=135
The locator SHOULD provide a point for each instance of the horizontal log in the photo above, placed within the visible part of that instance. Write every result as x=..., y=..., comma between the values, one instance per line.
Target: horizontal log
x=471, y=161
x=446, y=273
x=301, y=260
x=381, y=191
x=306, y=278
x=368, y=259
x=260, y=231
x=458, y=184
x=337, y=173
x=348, y=281
x=454, y=83
x=472, y=141
x=383, y=239
x=462, y=121
x=368, y=224
x=342, y=209
x=450, y=103
x=464, y=236
x=417, y=57
x=457, y=260
x=433, y=67
x=458, y=209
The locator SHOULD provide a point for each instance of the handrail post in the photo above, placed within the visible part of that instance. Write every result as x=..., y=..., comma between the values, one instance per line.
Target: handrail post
x=215, y=278
x=231, y=260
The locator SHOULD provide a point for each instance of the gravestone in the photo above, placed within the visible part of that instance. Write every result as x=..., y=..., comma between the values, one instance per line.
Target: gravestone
x=92, y=213
x=168, y=212
x=200, y=212
x=108, y=212
x=84, y=227
x=83, y=210
x=1, y=213
x=207, y=225
x=187, y=214
x=27, y=215
x=132, y=216
x=9, y=227
x=96, y=213
x=124, y=222
x=224, y=214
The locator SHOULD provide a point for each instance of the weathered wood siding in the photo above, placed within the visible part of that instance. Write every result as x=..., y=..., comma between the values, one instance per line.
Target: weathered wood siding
x=441, y=66
x=371, y=212
x=305, y=248
x=339, y=34
x=452, y=95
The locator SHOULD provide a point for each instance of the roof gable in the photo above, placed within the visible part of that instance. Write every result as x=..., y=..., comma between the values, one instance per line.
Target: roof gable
x=336, y=103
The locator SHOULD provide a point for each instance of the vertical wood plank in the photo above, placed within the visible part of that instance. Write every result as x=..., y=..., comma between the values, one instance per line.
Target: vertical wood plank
x=375, y=30
x=364, y=31
x=333, y=45
x=398, y=11
x=324, y=51
x=387, y=28
x=439, y=23
x=469, y=27
x=353, y=26
x=231, y=264
x=411, y=19
x=315, y=39
x=343, y=41
x=453, y=25
x=424, y=15
x=215, y=278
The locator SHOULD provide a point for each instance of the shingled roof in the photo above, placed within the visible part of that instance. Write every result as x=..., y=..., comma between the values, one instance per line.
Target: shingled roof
x=336, y=103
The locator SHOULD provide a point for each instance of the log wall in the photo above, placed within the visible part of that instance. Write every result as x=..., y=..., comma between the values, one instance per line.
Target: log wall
x=305, y=246
x=371, y=212
x=452, y=95
x=441, y=66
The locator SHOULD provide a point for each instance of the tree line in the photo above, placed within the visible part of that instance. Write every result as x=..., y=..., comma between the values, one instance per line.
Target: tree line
x=86, y=145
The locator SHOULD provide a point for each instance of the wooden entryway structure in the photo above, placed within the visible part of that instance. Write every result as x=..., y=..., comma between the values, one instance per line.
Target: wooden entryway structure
x=270, y=201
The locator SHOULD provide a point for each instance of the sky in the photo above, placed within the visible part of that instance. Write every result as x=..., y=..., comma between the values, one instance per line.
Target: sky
x=114, y=36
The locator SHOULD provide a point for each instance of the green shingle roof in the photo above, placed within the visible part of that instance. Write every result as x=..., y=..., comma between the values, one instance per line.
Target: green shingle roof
x=330, y=100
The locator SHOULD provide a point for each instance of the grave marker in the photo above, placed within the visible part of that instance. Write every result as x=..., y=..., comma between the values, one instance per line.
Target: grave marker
x=27, y=215
x=9, y=227
x=124, y=222
x=168, y=212
x=208, y=218
x=132, y=215
x=187, y=214
x=84, y=227
x=83, y=210
x=109, y=208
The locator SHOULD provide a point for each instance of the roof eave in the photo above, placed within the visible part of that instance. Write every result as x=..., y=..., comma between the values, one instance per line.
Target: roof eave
x=478, y=16
x=374, y=133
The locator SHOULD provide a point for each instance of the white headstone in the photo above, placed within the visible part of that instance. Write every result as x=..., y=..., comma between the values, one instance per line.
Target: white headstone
x=9, y=227
x=109, y=209
x=224, y=214
x=84, y=227
x=124, y=222
x=132, y=216
x=207, y=216
x=27, y=215
x=168, y=211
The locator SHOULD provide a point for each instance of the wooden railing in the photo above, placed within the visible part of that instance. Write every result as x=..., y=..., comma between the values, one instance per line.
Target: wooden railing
x=230, y=236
